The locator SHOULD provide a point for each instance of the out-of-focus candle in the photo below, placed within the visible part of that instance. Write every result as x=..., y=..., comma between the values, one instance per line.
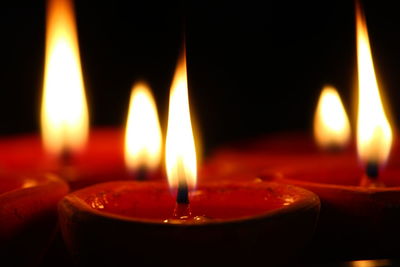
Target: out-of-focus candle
x=331, y=124
x=143, y=140
x=67, y=147
x=64, y=113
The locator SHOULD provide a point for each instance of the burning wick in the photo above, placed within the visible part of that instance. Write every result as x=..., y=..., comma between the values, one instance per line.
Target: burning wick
x=67, y=166
x=182, y=196
x=182, y=209
x=371, y=177
x=374, y=133
x=372, y=170
x=66, y=158
x=141, y=174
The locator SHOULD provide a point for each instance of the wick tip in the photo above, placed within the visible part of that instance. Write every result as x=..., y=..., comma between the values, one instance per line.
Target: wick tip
x=141, y=174
x=182, y=196
x=372, y=170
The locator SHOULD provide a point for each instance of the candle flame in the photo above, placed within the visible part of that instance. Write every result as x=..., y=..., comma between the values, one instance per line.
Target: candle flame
x=374, y=134
x=64, y=114
x=180, y=152
x=331, y=124
x=143, y=132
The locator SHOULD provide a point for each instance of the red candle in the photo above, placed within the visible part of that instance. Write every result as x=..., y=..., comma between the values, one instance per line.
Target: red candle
x=28, y=216
x=80, y=156
x=356, y=221
x=359, y=194
x=101, y=159
x=248, y=158
x=331, y=141
x=67, y=147
x=231, y=223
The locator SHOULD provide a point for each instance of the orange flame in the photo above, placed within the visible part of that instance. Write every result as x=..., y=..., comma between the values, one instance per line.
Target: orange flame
x=64, y=114
x=180, y=149
x=143, y=132
x=374, y=134
x=331, y=124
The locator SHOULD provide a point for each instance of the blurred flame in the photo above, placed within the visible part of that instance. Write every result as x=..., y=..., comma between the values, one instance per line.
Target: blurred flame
x=180, y=149
x=374, y=134
x=331, y=124
x=143, y=132
x=64, y=114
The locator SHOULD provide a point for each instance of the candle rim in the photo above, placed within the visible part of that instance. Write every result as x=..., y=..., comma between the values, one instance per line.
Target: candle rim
x=309, y=200
x=290, y=179
x=27, y=182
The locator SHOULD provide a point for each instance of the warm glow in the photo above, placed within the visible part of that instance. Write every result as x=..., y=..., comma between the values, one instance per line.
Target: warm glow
x=374, y=135
x=180, y=147
x=143, y=132
x=64, y=114
x=331, y=124
x=370, y=263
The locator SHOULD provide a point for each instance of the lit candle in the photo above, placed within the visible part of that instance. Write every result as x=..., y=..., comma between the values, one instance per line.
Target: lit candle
x=243, y=160
x=67, y=147
x=360, y=197
x=143, y=140
x=331, y=124
x=64, y=113
x=230, y=223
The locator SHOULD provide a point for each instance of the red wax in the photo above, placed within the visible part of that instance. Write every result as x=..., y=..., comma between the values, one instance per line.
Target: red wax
x=355, y=221
x=155, y=201
x=101, y=160
x=28, y=216
x=246, y=159
x=231, y=223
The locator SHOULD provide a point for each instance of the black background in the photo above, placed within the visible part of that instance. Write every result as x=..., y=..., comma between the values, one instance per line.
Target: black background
x=254, y=67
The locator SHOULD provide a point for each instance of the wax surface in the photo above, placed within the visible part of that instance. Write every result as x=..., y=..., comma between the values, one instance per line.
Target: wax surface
x=248, y=158
x=27, y=152
x=241, y=224
x=295, y=156
x=343, y=170
x=101, y=160
x=155, y=201
x=11, y=182
x=357, y=220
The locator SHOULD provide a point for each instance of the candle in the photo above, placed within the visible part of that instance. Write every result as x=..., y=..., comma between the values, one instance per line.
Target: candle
x=101, y=159
x=245, y=159
x=28, y=216
x=364, y=204
x=150, y=224
x=232, y=223
x=67, y=147
x=360, y=196
x=108, y=154
x=143, y=140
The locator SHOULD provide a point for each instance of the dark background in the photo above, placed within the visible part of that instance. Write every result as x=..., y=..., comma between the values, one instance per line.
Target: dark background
x=254, y=67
